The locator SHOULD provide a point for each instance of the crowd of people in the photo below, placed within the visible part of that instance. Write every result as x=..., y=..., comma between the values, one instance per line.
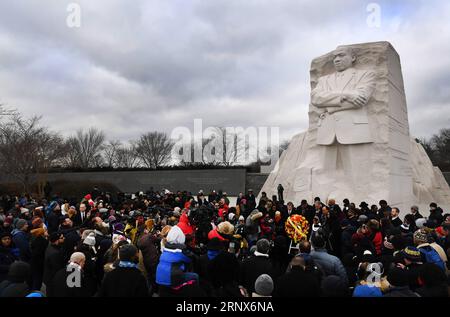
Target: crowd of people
x=162, y=243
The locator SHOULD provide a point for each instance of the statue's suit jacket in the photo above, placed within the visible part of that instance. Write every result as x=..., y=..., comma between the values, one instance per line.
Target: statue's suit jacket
x=350, y=126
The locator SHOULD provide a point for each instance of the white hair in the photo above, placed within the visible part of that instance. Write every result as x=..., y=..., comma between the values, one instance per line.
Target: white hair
x=77, y=257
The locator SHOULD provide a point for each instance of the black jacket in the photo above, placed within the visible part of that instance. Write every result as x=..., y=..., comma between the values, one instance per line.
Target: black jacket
x=7, y=257
x=433, y=291
x=14, y=289
x=53, y=220
x=397, y=222
x=285, y=215
x=401, y=292
x=252, y=268
x=53, y=262
x=297, y=283
x=71, y=239
x=124, y=282
x=62, y=289
x=436, y=216
x=38, y=248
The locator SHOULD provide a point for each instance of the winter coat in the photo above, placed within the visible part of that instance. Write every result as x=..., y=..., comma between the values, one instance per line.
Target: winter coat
x=172, y=265
x=53, y=221
x=330, y=264
x=14, y=289
x=401, y=292
x=215, y=234
x=16, y=283
x=38, y=247
x=21, y=240
x=62, y=289
x=433, y=291
x=346, y=240
x=7, y=257
x=53, y=262
x=149, y=253
x=377, y=242
x=252, y=268
x=297, y=283
x=124, y=282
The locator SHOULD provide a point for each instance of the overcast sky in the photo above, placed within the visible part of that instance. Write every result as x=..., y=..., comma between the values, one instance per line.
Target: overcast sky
x=143, y=65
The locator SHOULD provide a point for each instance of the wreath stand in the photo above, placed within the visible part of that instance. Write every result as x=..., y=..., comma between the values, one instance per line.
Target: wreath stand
x=293, y=246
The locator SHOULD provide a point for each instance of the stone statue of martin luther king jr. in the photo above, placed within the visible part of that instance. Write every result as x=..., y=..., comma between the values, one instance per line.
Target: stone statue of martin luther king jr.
x=343, y=131
x=343, y=96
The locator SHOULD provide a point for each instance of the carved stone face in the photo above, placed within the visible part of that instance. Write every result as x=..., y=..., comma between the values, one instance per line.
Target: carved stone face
x=343, y=59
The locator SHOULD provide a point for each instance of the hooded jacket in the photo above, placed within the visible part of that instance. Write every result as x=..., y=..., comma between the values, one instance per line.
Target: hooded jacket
x=21, y=240
x=173, y=261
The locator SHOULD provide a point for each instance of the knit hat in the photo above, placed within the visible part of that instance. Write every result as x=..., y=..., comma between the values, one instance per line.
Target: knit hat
x=165, y=230
x=176, y=236
x=8, y=220
x=368, y=257
x=37, y=223
x=420, y=223
x=118, y=237
x=412, y=254
x=241, y=218
x=38, y=232
x=255, y=215
x=367, y=291
x=127, y=252
x=420, y=236
x=231, y=216
x=440, y=231
x=177, y=211
x=362, y=219
x=90, y=239
x=397, y=277
x=225, y=228
x=149, y=224
x=264, y=285
x=24, y=210
x=21, y=223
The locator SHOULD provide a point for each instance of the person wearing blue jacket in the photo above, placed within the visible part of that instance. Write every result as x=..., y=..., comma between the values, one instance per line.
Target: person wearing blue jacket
x=172, y=270
x=21, y=240
x=8, y=254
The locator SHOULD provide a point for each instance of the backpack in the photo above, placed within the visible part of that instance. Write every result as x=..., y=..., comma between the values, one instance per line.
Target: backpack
x=431, y=256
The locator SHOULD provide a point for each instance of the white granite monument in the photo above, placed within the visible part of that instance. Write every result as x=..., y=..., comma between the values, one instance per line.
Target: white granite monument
x=358, y=144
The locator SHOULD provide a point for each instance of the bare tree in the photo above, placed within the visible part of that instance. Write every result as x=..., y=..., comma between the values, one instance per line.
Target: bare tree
x=4, y=111
x=222, y=147
x=127, y=157
x=154, y=149
x=85, y=149
x=27, y=149
x=110, y=152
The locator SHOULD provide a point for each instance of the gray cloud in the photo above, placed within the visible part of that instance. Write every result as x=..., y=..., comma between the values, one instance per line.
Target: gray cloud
x=155, y=65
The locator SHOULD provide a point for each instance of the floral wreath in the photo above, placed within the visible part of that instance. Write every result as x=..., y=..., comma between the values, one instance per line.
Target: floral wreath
x=297, y=228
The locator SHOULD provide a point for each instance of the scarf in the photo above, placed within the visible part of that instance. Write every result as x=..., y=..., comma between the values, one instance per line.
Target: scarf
x=128, y=264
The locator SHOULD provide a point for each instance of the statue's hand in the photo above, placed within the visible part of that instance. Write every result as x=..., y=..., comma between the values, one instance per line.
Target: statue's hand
x=357, y=100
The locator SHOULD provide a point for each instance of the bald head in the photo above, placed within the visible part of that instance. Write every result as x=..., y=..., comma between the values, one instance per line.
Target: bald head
x=78, y=258
x=297, y=263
